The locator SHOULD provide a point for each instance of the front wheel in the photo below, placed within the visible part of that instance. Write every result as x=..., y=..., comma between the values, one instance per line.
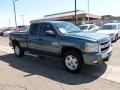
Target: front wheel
x=18, y=50
x=73, y=61
x=116, y=38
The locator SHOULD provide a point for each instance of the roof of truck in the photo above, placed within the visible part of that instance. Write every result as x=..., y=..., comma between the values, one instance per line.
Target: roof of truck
x=47, y=21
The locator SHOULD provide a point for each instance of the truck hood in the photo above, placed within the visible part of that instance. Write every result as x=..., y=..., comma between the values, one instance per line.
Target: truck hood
x=96, y=37
x=107, y=31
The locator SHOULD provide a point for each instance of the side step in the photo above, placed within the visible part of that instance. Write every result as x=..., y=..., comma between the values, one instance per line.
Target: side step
x=33, y=55
x=28, y=53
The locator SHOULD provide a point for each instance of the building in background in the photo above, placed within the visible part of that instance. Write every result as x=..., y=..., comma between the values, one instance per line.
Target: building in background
x=110, y=18
x=82, y=17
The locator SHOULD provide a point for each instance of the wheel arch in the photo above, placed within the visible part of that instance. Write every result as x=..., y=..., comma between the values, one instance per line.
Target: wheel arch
x=14, y=42
x=65, y=49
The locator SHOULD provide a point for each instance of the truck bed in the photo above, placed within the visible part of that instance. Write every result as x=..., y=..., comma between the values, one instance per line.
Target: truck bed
x=21, y=37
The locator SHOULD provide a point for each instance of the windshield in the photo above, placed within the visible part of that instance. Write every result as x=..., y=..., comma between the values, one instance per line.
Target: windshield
x=83, y=27
x=66, y=28
x=108, y=27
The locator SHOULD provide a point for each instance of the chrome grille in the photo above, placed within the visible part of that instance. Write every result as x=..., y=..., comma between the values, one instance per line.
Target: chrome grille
x=105, y=45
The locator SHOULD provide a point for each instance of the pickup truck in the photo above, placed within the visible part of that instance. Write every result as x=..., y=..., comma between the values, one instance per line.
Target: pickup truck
x=63, y=40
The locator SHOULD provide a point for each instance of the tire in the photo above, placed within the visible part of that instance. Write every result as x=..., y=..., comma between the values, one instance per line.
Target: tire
x=116, y=38
x=73, y=61
x=18, y=50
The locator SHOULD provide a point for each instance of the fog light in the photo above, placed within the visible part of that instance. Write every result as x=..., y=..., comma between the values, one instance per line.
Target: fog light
x=95, y=62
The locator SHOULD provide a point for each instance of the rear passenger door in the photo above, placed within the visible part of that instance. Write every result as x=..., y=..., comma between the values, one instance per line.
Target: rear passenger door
x=33, y=37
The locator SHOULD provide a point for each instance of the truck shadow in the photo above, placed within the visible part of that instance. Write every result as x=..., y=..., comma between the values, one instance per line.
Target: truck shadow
x=53, y=69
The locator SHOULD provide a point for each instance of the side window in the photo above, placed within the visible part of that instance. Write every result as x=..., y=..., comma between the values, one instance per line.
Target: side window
x=94, y=26
x=34, y=29
x=90, y=27
x=119, y=26
x=44, y=27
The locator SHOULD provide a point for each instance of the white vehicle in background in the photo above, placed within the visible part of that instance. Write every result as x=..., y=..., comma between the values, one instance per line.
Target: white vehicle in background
x=89, y=27
x=9, y=30
x=18, y=29
x=23, y=28
x=6, y=33
x=111, y=29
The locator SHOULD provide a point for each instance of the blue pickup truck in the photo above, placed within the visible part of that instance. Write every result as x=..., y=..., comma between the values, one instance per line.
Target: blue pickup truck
x=65, y=40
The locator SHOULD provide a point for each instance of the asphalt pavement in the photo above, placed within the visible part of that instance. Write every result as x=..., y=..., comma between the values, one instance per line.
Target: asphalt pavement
x=30, y=73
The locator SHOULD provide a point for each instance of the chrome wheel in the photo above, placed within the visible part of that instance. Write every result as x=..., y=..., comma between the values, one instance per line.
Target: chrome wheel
x=17, y=50
x=71, y=62
x=116, y=38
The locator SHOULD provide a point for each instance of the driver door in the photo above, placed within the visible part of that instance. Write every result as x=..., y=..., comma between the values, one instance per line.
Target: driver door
x=48, y=44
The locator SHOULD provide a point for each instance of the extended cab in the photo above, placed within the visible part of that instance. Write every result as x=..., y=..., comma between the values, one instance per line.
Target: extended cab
x=64, y=40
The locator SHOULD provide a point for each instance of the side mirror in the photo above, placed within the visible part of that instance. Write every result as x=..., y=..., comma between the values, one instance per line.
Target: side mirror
x=50, y=33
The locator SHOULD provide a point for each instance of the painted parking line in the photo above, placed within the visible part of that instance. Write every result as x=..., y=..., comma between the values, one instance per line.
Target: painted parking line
x=111, y=73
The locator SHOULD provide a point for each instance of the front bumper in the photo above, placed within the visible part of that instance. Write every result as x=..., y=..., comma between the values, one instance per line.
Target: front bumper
x=97, y=58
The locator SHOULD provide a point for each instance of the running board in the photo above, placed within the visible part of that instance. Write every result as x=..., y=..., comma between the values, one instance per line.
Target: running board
x=28, y=53
x=33, y=55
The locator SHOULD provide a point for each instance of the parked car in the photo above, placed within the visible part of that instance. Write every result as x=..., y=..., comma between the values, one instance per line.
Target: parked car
x=89, y=27
x=111, y=29
x=1, y=32
x=15, y=29
x=7, y=32
x=24, y=29
x=64, y=40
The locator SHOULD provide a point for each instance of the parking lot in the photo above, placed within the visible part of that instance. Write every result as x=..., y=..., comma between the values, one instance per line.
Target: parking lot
x=30, y=73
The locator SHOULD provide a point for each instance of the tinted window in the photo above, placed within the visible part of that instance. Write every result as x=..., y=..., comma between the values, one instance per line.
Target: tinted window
x=91, y=26
x=109, y=27
x=45, y=27
x=83, y=27
x=34, y=29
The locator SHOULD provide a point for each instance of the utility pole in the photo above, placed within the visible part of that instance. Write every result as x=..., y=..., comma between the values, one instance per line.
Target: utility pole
x=75, y=14
x=88, y=10
x=22, y=16
x=14, y=6
x=9, y=22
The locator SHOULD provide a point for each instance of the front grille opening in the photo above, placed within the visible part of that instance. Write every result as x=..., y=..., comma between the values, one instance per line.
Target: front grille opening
x=104, y=48
x=105, y=45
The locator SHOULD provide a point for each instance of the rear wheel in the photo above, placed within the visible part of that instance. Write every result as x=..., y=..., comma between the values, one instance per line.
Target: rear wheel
x=73, y=61
x=18, y=50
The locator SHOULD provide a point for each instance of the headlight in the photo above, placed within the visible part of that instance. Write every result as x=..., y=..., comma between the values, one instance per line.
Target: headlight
x=91, y=47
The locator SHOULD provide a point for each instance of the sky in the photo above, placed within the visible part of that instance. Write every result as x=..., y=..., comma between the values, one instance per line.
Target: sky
x=33, y=9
